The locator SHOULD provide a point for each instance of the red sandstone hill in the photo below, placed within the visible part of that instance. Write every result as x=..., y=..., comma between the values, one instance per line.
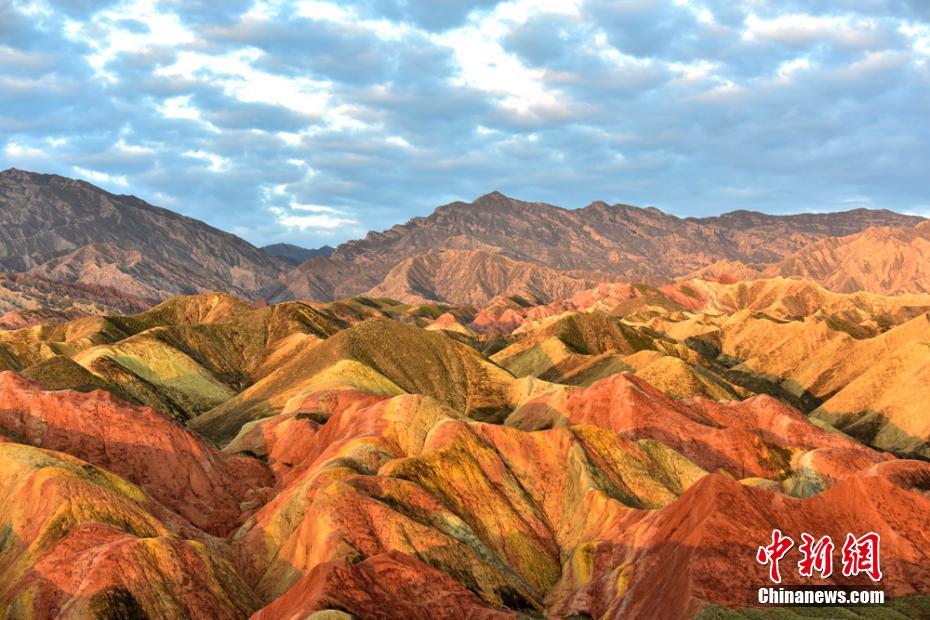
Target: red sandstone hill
x=173, y=466
x=612, y=455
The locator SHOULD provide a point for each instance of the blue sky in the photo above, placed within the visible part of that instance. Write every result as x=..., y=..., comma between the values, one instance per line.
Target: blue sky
x=312, y=122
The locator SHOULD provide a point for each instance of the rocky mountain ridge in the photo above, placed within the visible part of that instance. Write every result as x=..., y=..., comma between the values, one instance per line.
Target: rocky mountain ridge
x=626, y=242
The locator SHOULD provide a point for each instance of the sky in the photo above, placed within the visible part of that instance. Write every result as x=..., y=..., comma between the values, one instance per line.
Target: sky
x=312, y=122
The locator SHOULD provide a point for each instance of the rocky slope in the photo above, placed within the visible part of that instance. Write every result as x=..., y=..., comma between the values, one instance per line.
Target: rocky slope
x=627, y=242
x=882, y=259
x=70, y=231
x=28, y=299
x=475, y=277
x=889, y=261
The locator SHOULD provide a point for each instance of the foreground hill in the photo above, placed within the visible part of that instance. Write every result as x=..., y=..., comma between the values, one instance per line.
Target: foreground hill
x=69, y=231
x=621, y=452
x=627, y=242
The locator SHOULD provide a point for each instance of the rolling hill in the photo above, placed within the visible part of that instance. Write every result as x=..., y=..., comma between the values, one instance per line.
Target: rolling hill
x=556, y=459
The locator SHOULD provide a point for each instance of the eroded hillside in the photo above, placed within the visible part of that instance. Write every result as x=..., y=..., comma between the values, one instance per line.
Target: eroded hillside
x=210, y=458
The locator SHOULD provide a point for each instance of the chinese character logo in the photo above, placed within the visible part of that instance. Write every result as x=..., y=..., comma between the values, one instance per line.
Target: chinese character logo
x=773, y=553
x=817, y=556
x=860, y=555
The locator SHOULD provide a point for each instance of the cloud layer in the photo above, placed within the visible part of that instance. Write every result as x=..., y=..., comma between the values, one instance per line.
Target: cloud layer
x=311, y=121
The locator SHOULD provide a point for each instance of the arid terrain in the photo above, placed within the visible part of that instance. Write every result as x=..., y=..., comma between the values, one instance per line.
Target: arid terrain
x=503, y=410
x=73, y=249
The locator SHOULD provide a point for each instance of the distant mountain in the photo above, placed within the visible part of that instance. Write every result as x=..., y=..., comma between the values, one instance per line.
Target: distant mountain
x=295, y=254
x=879, y=260
x=28, y=299
x=474, y=277
x=626, y=242
x=70, y=231
x=67, y=231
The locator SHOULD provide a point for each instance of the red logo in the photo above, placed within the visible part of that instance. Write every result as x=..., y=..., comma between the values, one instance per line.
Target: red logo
x=818, y=556
x=773, y=553
x=859, y=555
x=862, y=555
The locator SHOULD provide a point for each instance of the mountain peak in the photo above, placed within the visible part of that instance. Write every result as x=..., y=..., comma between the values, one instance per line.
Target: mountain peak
x=73, y=232
x=17, y=173
x=493, y=195
x=494, y=198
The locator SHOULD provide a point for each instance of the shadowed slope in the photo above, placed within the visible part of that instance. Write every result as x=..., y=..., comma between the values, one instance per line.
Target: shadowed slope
x=380, y=356
x=71, y=231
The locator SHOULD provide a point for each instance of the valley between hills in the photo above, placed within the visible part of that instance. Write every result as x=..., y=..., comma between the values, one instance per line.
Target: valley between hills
x=502, y=410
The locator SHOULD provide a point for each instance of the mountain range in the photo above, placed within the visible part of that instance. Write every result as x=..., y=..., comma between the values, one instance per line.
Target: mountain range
x=600, y=242
x=119, y=253
x=295, y=254
x=69, y=231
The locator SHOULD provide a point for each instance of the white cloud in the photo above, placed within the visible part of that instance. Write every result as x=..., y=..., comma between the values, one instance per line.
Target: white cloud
x=132, y=149
x=165, y=200
x=33, y=8
x=101, y=177
x=20, y=152
x=398, y=141
x=236, y=74
x=328, y=11
x=919, y=34
x=791, y=68
x=313, y=208
x=484, y=64
x=180, y=107
x=802, y=29
x=217, y=163
x=108, y=34
x=324, y=10
x=304, y=222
